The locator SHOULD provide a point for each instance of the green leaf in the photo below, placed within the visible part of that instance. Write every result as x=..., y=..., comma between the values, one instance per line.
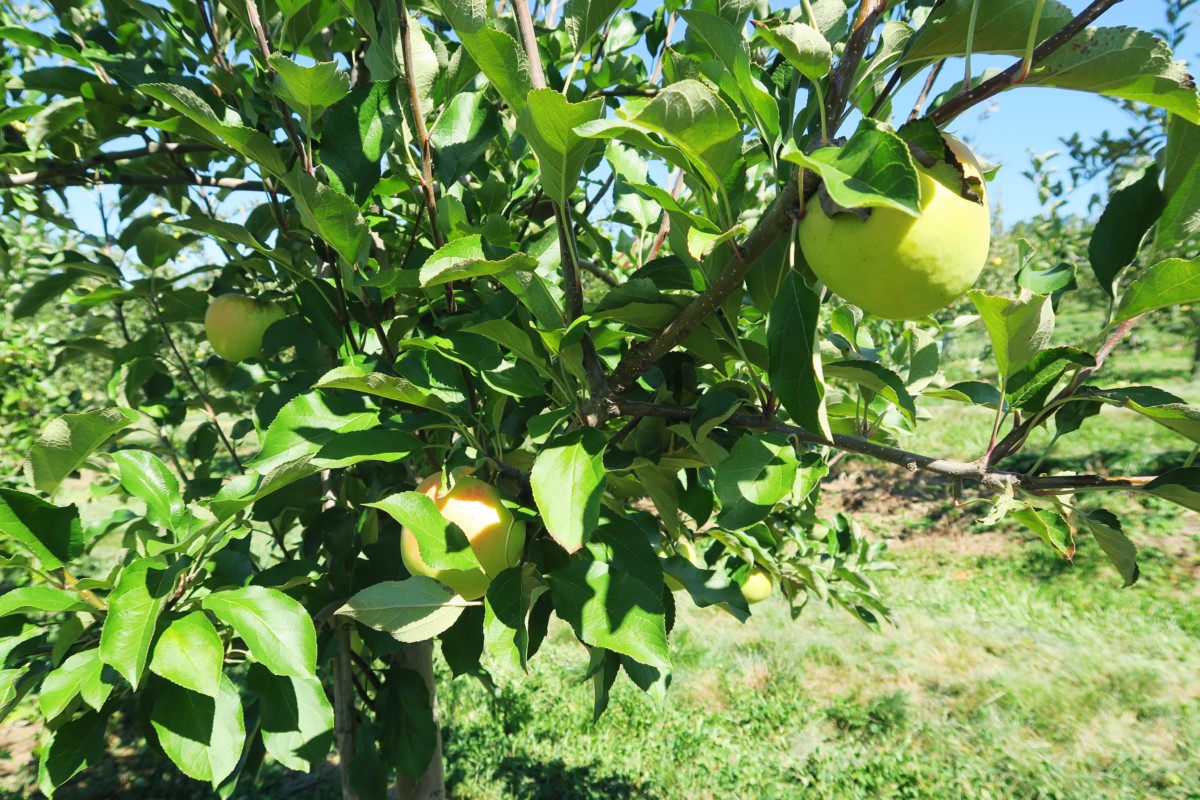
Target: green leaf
x=46, y=288
x=462, y=134
x=308, y=90
x=1180, y=220
x=330, y=214
x=147, y=478
x=760, y=472
x=611, y=594
x=1121, y=62
x=1050, y=526
x=1019, y=329
x=1118, y=234
x=54, y=535
x=1181, y=486
x=1172, y=282
x=511, y=595
x=729, y=47
x=409, y=731
x=202, y=735
x=793, y=356
x=1001, y=26
x=411, y=610
x=305, y=424
x=46, y=599
x=276, y=629
x=142, y=590
x=296, y=719
x=354, y=139
x=464, y=258
x=703, y=134
x=247, y=142
x=568, y=483
x=443, y=545
x=1106, y=529
x=873, y=169
x=548, y=122
x=497, y=54
x=81, y=674
x=878, y=379
x=975, y=392
x=584, y=18
x=66, y=442
x=359, y=379
x=73, y=746
x=1029, y=387
x=190, y=653
x=1059, y=277
x=803, y=47
x=1162, y=407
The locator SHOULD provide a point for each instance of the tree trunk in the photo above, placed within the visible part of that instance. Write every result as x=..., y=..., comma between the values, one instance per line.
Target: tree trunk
x=430, y=786
x=345, y=720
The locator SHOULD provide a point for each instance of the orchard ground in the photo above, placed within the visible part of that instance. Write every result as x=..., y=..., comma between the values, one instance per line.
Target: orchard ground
x=1008, y=673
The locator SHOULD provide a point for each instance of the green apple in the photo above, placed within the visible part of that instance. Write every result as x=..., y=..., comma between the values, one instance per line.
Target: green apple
x=685, y=548
x=901, y=267
x=496, y=538
x=235, y=325
x=757, y=586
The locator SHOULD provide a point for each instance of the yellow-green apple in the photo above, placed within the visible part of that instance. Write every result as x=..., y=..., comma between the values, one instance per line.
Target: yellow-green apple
x=898, y=266
x=235, y=325
x=496, y=537
x=757, y=586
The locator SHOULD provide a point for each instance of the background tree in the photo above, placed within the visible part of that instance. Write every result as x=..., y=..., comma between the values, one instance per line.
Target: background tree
x=557, y=253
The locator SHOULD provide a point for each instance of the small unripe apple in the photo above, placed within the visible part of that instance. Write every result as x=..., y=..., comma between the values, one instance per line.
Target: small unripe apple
x=685, y=548
x=901, y=267
x=757, y=586
x=496, y=537
x=235, y=325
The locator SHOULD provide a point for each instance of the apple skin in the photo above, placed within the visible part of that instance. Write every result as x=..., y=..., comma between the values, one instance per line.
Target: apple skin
x=496, y=538
x=685, y=548
x=235, y=325
x=757, y=586
x=900, y=267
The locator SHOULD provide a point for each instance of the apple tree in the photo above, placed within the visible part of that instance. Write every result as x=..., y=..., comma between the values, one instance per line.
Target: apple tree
x=580, y=255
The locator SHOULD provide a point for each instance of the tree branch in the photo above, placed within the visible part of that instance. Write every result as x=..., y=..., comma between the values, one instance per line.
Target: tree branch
x=856, y=45
x=912, y=462
x=50, y=180
x=1012, y=76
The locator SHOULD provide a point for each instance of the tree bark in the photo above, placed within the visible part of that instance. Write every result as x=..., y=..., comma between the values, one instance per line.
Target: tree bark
x=345, y=721
x=432, y=785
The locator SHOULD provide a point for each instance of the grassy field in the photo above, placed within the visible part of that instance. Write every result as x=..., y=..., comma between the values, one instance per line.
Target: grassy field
x=1008, y=673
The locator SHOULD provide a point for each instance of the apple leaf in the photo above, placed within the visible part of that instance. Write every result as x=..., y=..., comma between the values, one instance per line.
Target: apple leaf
x=1172, y=282
x=442, y=543
x=1118, y=234
x=1019, y=329
x=411, y=610
x=568, y=483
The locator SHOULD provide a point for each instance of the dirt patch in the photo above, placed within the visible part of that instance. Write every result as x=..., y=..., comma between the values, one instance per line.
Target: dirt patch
x=17, y=740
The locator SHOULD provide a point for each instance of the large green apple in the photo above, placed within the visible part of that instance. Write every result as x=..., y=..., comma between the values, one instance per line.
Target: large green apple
x=235, y=325
x=901, y=267
x=496, y=538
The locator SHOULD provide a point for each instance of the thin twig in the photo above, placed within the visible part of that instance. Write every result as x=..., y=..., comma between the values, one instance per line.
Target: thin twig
x=54, y=180
x=930, y=79
x=843, y=76
x=912, y=462
x=1011, y=76
x=264, y=44
x=662, y=51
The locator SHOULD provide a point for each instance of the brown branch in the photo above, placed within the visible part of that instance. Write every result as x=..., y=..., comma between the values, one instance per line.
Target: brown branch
x=264, y=44
x=912, y=462
x=775, y=223
x=210, y=26
x=930, y=79
x=537, y=75
x=50, y=181
x=662, y=51
x=843, y=77
x=1012, y=76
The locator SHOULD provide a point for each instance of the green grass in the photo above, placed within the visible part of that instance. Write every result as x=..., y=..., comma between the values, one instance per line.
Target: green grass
x=1005, y=676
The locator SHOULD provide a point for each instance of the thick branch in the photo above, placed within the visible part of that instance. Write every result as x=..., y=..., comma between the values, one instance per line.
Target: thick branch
x=1012, y=76
x=856, y=45
x=958, y=470
x=537, y=75
x=775, y=223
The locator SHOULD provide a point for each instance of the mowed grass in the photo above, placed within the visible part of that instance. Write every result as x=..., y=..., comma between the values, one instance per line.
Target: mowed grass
x=1006, y=675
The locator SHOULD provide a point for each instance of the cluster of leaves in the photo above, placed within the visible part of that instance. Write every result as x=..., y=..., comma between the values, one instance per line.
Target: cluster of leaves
x=481, y=269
